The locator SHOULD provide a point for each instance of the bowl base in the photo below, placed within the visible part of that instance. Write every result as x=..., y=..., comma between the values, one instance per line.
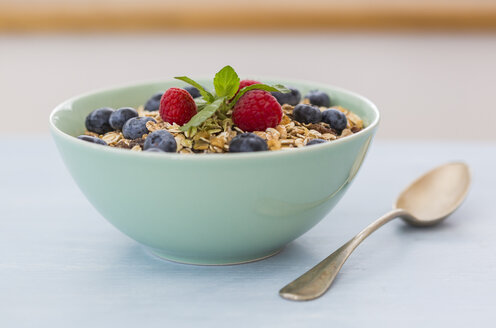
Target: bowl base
x=198, y=261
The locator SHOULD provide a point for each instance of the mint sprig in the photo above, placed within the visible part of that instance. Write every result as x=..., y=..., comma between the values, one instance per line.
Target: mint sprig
x=226, y=84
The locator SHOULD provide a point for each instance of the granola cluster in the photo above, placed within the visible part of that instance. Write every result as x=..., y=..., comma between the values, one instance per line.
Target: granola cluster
x=215, y=134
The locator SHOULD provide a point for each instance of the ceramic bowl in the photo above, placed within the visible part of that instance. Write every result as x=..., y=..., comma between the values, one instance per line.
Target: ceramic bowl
x=210, y=208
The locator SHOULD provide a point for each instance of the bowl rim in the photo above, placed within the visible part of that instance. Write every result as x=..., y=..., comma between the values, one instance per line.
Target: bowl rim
x=215, y=156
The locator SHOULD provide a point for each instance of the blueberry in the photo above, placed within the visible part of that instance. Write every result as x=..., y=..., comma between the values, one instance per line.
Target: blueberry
x=154, y=150
x=292, y=98
x=162, y=140
x=315, y=141
x=154, y=102
x=336, y=119
x=98, y=120
x=120, y=116
x=318, y=98
x=136, y=127
x=247, y=142
x=194, y=92
x=307, y=114
x=92, y=139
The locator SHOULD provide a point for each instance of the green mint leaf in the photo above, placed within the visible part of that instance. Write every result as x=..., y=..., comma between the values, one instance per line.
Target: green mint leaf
x=205, y=94
x=226, y=82
x=204, y=114
x=273, y=88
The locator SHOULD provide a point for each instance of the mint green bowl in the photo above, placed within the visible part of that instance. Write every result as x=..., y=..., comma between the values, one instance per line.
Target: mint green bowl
x=210, y=208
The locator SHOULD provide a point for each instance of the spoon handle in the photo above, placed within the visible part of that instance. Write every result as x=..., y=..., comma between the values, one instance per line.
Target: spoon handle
x=315, y=282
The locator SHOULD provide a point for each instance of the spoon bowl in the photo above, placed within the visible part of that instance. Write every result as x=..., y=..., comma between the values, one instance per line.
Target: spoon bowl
x=435, y=195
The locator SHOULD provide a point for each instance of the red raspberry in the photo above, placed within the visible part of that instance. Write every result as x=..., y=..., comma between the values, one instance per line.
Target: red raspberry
x=177, y=106
x=245, y=83
x=257, y=110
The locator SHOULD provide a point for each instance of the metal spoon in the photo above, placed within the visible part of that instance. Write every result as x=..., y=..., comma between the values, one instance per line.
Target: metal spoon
x=427, y=201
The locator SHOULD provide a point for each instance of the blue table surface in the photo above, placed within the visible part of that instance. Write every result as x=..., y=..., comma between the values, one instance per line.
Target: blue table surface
x=63, y=265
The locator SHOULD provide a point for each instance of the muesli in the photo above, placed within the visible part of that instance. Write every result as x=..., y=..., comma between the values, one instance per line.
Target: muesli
x=241, y=116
